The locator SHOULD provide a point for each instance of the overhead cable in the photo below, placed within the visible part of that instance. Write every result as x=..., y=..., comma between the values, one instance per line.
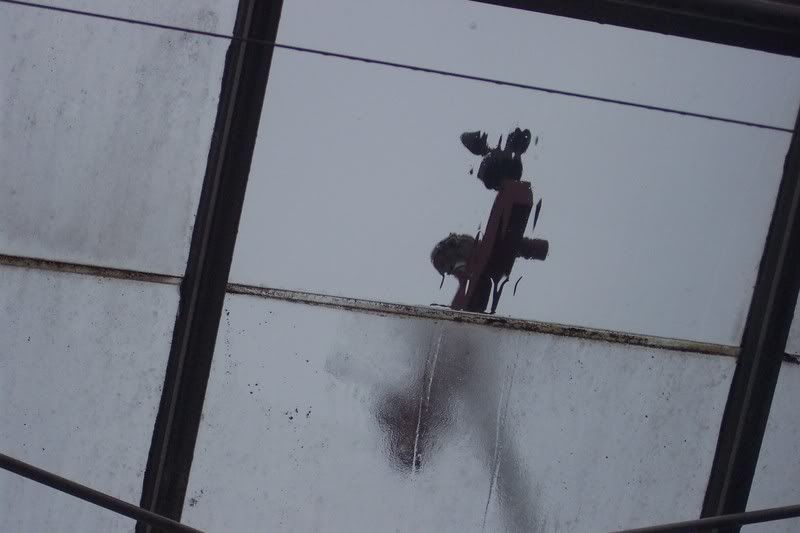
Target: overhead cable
x=404, y=66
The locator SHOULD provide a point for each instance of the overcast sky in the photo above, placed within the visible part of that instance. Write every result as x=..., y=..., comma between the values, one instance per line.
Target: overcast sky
x=656, y=222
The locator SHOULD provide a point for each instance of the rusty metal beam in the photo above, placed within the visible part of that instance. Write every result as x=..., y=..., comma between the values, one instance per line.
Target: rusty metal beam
x=15, y=261
x=770, y=26
x=388, y=308
x=483, y=319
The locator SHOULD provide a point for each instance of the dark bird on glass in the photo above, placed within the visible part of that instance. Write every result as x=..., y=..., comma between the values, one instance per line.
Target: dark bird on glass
x=451, y=254
x=498, y=164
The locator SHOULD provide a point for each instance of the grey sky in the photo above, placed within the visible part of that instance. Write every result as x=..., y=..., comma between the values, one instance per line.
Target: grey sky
x=656, y=222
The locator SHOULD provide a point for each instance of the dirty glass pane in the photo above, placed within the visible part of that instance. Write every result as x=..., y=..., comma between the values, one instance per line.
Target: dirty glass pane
x=318, y=418
x=208, y=15
x=793, y=342
x=549, y=51
x=82, y=364
x=28, y=507
x=656, y=223
x=104, y=135
x=776, y=479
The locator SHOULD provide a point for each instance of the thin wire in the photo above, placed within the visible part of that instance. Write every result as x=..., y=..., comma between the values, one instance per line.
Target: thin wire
x=403, y=66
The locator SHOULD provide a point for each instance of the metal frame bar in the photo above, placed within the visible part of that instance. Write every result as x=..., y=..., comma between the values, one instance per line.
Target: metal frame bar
x=767, y=25
x=389, y=308
x=16, y=261
x=203, y=288
x=483, y=319
x=762, y=349
x=728, y=520
x=91, y=495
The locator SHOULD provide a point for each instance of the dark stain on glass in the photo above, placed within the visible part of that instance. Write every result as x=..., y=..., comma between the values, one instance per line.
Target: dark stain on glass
x=455, y=375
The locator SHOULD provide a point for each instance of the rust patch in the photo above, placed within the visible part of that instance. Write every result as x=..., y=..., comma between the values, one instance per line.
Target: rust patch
x=86, y=270
x=515, y=324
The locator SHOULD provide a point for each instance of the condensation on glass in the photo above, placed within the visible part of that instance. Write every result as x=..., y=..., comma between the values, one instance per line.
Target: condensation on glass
x=793, y=342
x=778, y=470
x=656, y=222
x=82, y=364
x=104, y=136
x=205, y=15
x=324, y=419
x=28, y=507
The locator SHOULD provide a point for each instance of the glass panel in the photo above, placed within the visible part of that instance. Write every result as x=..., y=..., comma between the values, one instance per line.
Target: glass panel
x=323, y=419
x=793, y=342
x=776, y=479
x=555, y=52
x=28, y=507
x=206, y=15
x=82, y=363
x=656, y=223
x=104, y=138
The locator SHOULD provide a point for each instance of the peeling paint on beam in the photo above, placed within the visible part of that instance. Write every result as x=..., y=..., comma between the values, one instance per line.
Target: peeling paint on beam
x=87, y=270
x=385, y=309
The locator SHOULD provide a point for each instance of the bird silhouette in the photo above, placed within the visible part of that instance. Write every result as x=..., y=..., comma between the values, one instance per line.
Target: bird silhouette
x=451, y=254
x=498, y=164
